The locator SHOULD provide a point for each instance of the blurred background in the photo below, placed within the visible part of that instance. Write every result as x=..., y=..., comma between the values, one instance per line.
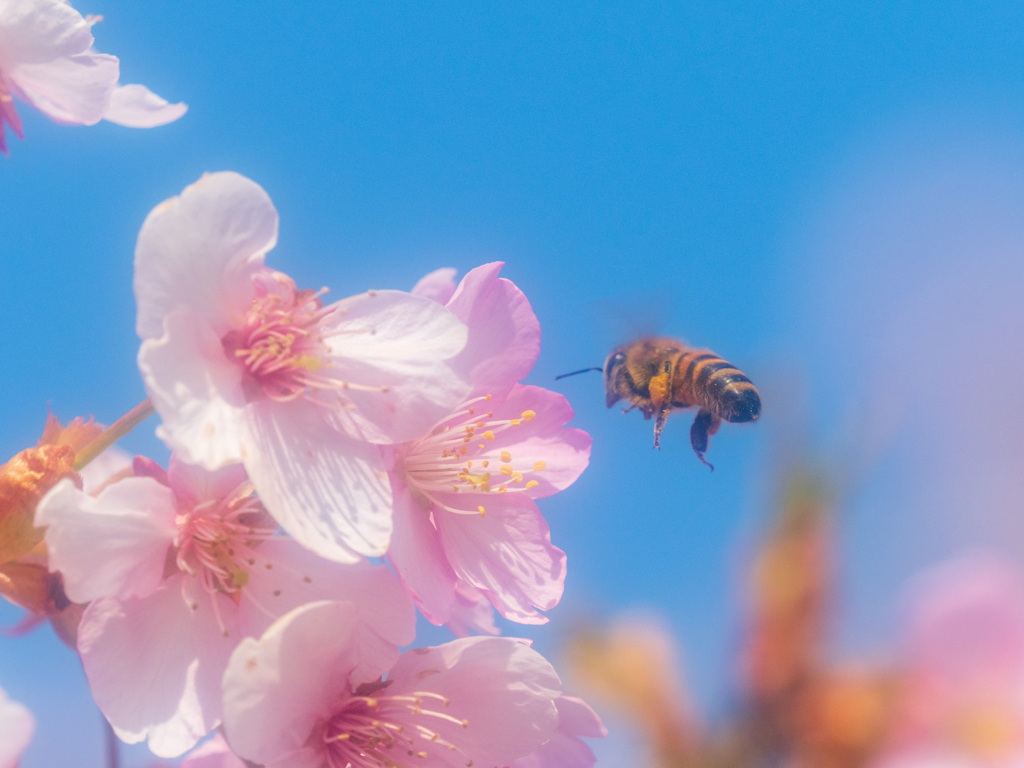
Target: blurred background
x=829, y=196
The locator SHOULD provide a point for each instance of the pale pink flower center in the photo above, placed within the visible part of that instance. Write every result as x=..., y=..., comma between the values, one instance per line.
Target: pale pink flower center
x=365, y=733
x=458, y=457
x=280, y=346
x=216, y=541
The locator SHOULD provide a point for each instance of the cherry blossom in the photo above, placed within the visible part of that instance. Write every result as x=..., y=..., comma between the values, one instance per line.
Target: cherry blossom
x=565, y=749
x=464, y=489
x=244, y=367
x=177, y=567
x=46, y=59
x=16, y=728
x=964, y=693
x=296, y=698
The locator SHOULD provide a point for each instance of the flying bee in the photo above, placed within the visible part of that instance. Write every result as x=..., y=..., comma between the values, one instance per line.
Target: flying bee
x=658, y=374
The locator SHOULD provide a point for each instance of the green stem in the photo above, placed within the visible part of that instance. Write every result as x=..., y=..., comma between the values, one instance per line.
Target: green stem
x=113, y=433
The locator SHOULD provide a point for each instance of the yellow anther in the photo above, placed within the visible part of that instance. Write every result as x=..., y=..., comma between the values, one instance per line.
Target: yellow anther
x=503, y=489
x=528, y=415
x=515, y=422
x=506, y=470
x=487, y=397
x=488, y=435
x=485, y=463
x=539, y=466
x=532, y=484
x=506, y=456
x=481, y=510
x=517, y=477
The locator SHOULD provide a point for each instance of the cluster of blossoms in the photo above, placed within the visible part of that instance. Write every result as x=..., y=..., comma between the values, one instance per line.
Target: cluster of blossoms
x=334, y=467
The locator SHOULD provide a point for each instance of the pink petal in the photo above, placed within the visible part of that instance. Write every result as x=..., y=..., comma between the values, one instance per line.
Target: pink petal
x=114, y=545
x=213, y=753
x=564, y=451
x=504, y=335
x=393, y=349
x=276, y=688
x=16, y=727
x=437, y=286
x=564, y=749
x=35, y=31
x=73, y=90
x=328, y=491
x=473, y=613
x=504, y=689
x=147, y=661
x=419, y=560
x=199, y=249
x=196, y=390
x=384, y=616
x=507, y=552
x=135, y=106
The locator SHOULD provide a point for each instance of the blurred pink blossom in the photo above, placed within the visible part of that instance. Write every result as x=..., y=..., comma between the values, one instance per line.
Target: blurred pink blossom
x=464, y=489
x=297, y=697
x=177, y=567
x=964, y=699
x=16, y=727
x=46, y=59
x=244, y=367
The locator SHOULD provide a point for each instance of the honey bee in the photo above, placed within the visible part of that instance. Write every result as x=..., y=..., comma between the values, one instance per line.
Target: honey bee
x=657, y=374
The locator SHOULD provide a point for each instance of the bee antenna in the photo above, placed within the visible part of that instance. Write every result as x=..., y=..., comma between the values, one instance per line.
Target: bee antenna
x=581, y=370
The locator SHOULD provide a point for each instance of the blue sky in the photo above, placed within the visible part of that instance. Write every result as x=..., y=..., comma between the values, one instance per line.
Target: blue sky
x=829, y=196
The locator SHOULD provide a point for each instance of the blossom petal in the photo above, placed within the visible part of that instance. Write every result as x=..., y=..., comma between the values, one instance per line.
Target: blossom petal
x=198, y=249
x=419, y=560
x=505, y=690
x=504, y=334
x=328, y=491
x=135, y=106
x=564, y=451
x=564, y=749
x=438, y=285
x=35, y=31
x=113, y=545
x=507, y=552
x=383, y=610
x=392, y=348
x=197, y=392
x=276, y=688
x=173, y=702
x=73, y=90
x=16, y=726
x=213, y=753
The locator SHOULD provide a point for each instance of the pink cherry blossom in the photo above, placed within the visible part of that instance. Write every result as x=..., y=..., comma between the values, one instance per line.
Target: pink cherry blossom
x=244, y=367
x=464, y=490
x=964, y=700
x=565, y=749
x=177, y=567
x=297, y=698
x=16, y=728
x=46, y=59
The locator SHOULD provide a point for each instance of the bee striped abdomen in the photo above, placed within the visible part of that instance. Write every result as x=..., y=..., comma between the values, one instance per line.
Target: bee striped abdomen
x=721, y=388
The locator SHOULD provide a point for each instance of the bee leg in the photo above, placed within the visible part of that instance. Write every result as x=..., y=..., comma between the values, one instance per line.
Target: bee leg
x=705, y=425
x=660, y=425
